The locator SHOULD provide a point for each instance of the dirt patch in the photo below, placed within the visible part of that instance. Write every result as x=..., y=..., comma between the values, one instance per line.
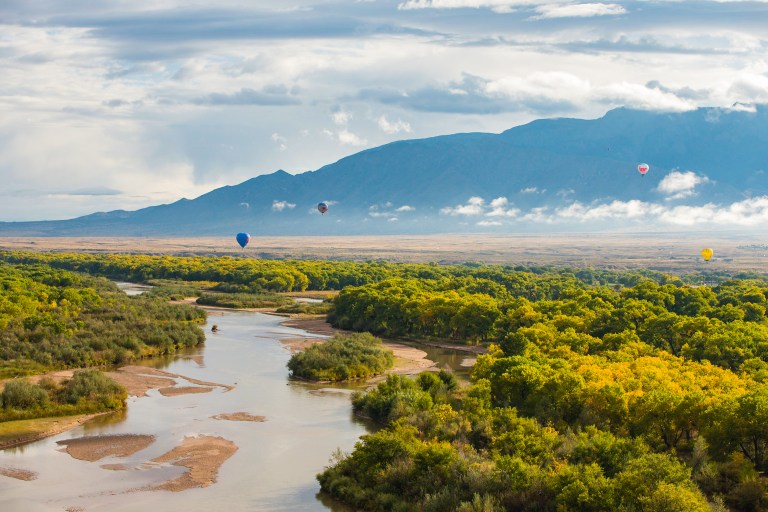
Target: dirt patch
x=94, y=448
x=139, y=379
x=18, y=474
x=299, y=344
x=183, y=390
x=314, y=325
x=239, y=416
x=409, y=360
x=203, y=456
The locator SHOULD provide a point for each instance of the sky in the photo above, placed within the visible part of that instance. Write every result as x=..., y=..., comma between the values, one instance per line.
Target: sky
x=122, y=104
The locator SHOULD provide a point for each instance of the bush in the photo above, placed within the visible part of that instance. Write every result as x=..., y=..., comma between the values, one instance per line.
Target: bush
x=22, y=394
x=342, y=358
x=93, y=386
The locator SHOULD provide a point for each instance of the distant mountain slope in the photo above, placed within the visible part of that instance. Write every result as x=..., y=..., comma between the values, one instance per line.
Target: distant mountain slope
x=419, y=185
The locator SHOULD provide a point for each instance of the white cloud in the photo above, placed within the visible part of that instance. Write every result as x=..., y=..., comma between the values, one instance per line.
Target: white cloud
x=279, y=206
x=386, y=215
x=540, y=87
x=394, y=127
x=747, y=213
x=341, y=117
x=475, y=206
x=750, y=87
x=120, y=96
x=499, y=208
x=405, y=208
x=500, y=6
x=280, y=140
x=631, y=210
x=641, y=97
x=538, y=214
x=531, y=190
x=677, y=185
x=578, y=10
x=348, y=138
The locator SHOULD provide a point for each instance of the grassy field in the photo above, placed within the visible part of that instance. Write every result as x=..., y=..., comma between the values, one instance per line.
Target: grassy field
x=671, y=252
x=23, y=431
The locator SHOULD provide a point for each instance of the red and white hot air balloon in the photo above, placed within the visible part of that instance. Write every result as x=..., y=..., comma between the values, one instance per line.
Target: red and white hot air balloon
x=643, y=168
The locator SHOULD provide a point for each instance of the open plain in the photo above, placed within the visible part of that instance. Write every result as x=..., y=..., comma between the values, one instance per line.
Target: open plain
x=676, y=252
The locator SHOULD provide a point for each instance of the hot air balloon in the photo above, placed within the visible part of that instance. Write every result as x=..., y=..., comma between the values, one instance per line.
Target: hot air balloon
x=322, y=208
x=243, y=239
x=643, y=168
x=707, y=253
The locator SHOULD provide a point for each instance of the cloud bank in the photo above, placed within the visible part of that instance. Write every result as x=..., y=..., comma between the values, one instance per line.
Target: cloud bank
x=748, y=213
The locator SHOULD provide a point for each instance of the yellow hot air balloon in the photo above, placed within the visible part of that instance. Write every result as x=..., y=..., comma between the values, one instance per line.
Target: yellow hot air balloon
x=707, y=253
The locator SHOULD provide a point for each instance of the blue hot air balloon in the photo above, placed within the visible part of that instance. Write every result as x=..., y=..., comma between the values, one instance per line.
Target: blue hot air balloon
x=322, y=208
x=243, y=239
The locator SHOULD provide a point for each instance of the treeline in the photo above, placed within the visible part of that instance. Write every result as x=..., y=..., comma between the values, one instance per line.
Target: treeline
x=88, y=391
x=343, y=357
x=554, y=430
x=249, y=275
x=725, y=325
x=54, y=319
x=649, y=397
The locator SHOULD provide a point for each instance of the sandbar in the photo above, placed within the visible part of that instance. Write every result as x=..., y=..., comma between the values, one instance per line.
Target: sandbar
x=140, y=379
x=94, y=448
x=202, y=456
x=183, y=390
x=18, y=474
x=239, y=416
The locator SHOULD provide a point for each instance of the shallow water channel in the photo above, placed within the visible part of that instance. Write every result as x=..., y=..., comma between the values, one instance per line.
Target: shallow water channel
x=276, y=462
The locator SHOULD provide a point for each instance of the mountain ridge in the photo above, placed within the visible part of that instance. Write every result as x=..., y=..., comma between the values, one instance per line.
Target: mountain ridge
x=426, y=185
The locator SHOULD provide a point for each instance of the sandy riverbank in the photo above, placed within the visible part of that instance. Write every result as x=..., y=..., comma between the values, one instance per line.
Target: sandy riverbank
x=138, y=380
x=408, y=360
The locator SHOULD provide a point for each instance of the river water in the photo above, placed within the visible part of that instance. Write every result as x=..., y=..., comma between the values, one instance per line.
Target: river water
x=276, y=462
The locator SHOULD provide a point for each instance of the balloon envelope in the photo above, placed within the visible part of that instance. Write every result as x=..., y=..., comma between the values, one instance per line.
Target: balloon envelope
x=707, y=254
x=322, y=207
x=243, y=239
x=643, y=168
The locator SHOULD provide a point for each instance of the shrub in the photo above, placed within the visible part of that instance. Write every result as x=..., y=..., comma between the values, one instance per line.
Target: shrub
x=22, y=394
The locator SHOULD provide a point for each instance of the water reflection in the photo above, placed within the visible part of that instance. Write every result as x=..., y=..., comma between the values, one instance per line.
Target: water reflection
x=276, y=462
x=132, y=288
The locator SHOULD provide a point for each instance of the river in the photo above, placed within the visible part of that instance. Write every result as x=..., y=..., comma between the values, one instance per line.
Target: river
x=276, y=462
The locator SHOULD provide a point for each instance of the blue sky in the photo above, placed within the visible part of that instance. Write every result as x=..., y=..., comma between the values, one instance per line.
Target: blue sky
x=121, y=104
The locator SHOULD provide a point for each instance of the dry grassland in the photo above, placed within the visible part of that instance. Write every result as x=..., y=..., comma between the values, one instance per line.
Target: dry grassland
x=671, y=252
